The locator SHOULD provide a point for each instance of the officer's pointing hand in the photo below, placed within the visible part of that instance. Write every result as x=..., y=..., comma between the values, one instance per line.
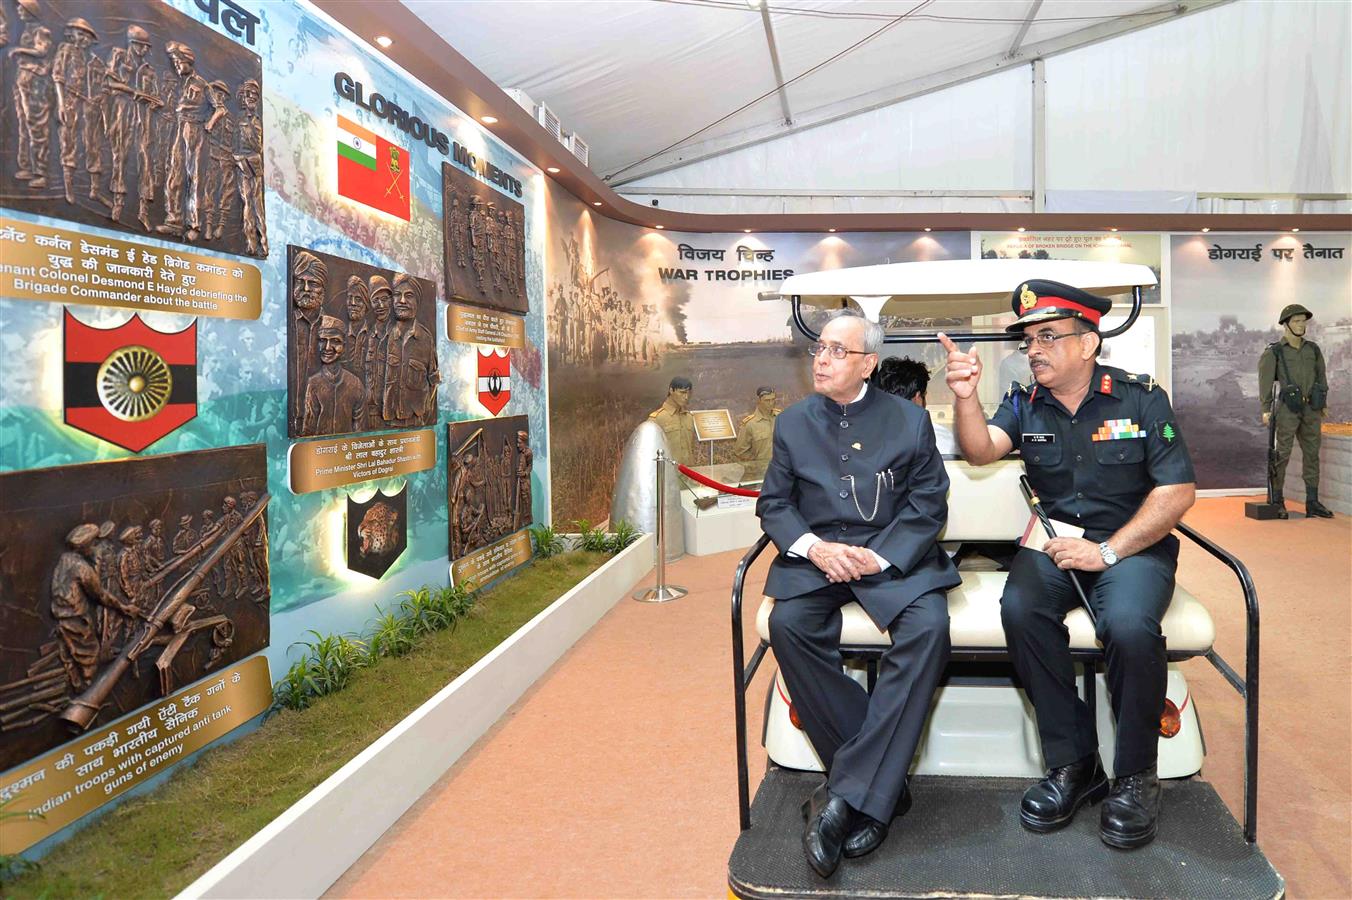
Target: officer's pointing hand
x=964, y=369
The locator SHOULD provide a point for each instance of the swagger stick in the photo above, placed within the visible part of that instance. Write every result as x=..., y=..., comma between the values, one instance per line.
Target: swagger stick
x=1035, y=503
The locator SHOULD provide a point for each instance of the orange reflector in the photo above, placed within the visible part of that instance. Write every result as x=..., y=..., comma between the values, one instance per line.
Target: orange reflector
x=1171, y=720
x=793, y=717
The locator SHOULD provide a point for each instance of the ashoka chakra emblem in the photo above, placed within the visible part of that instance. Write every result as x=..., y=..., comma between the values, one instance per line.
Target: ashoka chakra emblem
x=134, y=383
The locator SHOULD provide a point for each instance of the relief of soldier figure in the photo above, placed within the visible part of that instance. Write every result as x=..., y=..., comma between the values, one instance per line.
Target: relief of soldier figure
x=362, y=349
x=153, y=126
x=125, y=589
x=485, y=236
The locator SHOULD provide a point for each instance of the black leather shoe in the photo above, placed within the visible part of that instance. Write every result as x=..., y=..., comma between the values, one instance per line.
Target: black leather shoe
x=1131, y=813
x=824, y=837
x=1314, y=508
x=1052, y=802
x=869, y=834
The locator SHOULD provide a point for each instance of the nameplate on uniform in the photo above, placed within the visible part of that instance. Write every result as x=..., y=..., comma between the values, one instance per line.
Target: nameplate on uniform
x=1039, y=438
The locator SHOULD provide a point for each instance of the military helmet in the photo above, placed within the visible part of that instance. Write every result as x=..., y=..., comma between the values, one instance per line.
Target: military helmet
x=82, y=25
x=1293, y=309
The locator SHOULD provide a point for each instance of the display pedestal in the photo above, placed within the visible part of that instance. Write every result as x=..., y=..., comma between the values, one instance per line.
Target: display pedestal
x=1263, y=511
x=710, y=531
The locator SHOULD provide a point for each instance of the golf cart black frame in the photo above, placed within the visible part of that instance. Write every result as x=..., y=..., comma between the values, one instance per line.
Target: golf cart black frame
x=1246, y=685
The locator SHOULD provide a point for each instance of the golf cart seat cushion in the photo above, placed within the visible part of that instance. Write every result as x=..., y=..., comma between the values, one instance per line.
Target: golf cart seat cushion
x=974, y=617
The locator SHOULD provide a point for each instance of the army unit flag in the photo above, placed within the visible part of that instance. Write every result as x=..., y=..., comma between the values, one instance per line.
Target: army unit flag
x=373, y=171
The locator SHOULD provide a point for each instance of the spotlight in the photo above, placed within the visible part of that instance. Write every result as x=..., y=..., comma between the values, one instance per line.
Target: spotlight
x=489, y=120
x=659, y=227
x=1112, y=229
x=1205, y=230
x=746, y=231
x=552, y=170
x=832, y=230
x=1022, y=229
x=928, y=228
x=1294, y=230
x=384, y=41
x=596, y=203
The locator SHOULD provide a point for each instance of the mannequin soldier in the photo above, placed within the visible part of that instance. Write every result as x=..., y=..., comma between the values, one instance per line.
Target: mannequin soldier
x=1103, y=452
x=32, y=100
x=755, y=440
x=677, y=423
x=854, y=499
x=1300, y=364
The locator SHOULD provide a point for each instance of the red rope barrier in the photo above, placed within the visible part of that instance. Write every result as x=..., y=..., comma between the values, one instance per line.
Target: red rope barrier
x=709, y=482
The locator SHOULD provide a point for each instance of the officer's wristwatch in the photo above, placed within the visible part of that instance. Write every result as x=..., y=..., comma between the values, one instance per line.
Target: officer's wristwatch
x=1109, y=556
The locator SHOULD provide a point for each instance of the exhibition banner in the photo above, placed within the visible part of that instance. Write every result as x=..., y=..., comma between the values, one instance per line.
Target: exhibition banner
x=1226, y=294
x=630, y=308
x=323, y=465
x=59, y=265
x=50, y=792
x=1092, y=246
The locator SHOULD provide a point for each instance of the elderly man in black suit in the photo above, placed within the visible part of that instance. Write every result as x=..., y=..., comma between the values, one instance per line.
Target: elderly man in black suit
x=854, y=498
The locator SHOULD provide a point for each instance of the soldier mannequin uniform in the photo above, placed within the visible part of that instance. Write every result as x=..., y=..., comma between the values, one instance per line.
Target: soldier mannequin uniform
x=754, y=441
x=1092, y=467
x=677, y=423
x=1302, y=365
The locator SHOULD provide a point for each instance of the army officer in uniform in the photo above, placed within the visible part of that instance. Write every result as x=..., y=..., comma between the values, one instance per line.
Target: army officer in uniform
x=854, y=498
x=1103, y=451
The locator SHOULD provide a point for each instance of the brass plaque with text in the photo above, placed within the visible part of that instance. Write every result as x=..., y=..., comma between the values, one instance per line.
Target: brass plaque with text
x=713, y=425
x=57, y=265
x=487, y=563
x=337, y=462
x=472, y=325
x=61, y=786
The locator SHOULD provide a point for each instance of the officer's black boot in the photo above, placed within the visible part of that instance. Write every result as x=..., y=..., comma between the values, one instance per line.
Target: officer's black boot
x=1278, y=502
x=1132, y=811
x=1051, y=803
x=1314, y=508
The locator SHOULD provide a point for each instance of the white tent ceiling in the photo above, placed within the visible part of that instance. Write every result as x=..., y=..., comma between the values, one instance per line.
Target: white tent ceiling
x=637, y=78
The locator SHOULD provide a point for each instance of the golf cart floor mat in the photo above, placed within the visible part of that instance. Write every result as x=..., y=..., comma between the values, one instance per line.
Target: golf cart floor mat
x=962, y=838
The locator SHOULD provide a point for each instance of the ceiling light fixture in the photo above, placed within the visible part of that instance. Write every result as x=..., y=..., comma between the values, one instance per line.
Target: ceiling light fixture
x=927, y=228
x=1205, y=230
x=1022, y=229
x=384, y=41
x=659, y=227
x=596, y=203
x=832, y=230
x=552, y=170
x=1112, y=229
x=489, y=120
x=1294, y=230
x=746, y=231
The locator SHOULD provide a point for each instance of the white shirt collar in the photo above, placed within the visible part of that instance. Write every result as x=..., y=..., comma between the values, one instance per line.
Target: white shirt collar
x=863, y=389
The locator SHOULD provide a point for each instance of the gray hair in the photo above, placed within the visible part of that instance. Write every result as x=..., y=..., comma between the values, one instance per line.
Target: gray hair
x=872, y=331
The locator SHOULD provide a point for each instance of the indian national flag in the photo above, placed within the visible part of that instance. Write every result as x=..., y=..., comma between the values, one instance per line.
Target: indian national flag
x=373, y=171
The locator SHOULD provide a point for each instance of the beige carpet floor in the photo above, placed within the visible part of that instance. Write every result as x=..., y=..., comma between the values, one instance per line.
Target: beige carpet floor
x=614, y=776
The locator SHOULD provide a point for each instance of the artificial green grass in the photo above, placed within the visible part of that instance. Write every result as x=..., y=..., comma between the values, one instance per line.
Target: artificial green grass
x=157, y=844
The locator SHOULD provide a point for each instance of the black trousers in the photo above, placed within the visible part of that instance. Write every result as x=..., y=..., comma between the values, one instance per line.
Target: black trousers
x=865, y=741
x=1129, y=600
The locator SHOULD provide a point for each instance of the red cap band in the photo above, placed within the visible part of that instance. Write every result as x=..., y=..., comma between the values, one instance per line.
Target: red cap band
x=1049, y=302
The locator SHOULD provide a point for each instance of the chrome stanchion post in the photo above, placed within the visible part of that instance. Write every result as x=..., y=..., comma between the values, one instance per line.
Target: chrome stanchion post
x=661, y=592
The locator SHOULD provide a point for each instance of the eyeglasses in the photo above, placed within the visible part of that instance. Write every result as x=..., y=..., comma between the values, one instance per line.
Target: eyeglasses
x=1046, y=339
x=836, y=351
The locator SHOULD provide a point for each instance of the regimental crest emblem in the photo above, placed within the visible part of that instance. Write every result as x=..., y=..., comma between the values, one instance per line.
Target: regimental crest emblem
x=495, y=379
x=1027, y=299
x=377, y=531
x=130, y=385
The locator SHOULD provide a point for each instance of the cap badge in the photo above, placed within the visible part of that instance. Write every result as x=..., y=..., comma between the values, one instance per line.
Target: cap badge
x=1027, y=299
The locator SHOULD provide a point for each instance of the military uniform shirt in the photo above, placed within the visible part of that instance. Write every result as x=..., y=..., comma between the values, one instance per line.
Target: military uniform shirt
x=1094, y=467
x=1304, y=367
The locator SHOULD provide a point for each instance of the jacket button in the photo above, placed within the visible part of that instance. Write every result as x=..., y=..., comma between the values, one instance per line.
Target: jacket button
x=1121, y=456
x=1079, y=495
x=1073, y=421
x=844, y=424
x=844, y=494
x=1079, y=458
x=844, y=529
x=844, y=457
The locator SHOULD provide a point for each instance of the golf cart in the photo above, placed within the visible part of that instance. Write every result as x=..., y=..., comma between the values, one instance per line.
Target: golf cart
x=980, y=748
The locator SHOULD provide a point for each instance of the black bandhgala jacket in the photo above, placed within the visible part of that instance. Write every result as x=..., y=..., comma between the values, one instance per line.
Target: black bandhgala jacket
x=887, y=444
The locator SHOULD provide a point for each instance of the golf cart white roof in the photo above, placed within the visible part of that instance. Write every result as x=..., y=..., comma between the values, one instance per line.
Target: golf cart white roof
x=956, y=287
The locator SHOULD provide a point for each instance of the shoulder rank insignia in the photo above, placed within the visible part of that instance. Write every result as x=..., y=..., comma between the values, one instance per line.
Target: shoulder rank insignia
x=1027, y=299
x=1014, y=388
x=1144, y=381
x=748, y=418
x=1106, y=385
